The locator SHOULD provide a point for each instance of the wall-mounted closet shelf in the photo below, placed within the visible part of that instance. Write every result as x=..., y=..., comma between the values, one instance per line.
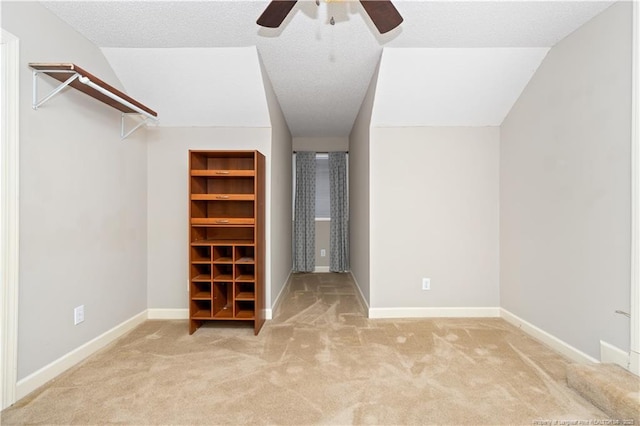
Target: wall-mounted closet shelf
x=76, y=77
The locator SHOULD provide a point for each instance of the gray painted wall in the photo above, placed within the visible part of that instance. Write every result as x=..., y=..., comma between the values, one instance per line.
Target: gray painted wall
x=83, y=209
x=359, y=192
x=320, y=144
x=281, y=196
x=323, y=239
x=565, y=188
x=434, y=214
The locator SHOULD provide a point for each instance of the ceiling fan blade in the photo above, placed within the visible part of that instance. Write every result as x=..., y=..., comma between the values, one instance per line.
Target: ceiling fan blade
x=383, y=13
x=275, y=13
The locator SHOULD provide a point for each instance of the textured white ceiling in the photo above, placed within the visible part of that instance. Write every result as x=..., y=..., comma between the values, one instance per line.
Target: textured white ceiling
x=320, y=72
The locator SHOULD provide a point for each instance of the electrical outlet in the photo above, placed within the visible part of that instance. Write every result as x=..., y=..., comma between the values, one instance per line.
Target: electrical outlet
x=78, y=315
x=426, y=283
x=323, y=253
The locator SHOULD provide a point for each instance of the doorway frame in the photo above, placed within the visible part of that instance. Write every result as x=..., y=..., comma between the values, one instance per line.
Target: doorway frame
x=9, y=226
x=634, y=340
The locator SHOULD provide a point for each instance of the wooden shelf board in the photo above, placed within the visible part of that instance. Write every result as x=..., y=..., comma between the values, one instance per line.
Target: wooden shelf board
x=223, y=197
x=201, y=295
x=225, y=318
x=201, y=314
x=246, y=278
x=222, y=221
x=224, y=313
x=201, y=261
x=202, y=278
x=223, y=173
x=223, y=260
x=238, y=153
x=73, y=68
x=223, y=278
x=244, y=314
x=246, y=260
x=245, y=295
x=221, y=242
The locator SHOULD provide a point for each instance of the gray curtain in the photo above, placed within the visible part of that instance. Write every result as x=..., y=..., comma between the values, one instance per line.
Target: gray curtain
x=304, y=224
x=339, y=201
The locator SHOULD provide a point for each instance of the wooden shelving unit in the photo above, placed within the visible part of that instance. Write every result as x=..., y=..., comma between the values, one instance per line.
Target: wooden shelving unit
x=226, y=233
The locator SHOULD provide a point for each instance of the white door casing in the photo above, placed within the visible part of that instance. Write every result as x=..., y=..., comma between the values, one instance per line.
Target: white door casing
x=9, y=107
x=634, y=341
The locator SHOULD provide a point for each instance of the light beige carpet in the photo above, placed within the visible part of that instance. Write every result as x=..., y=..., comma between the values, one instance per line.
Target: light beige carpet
x=609, y=387
x=320, y=361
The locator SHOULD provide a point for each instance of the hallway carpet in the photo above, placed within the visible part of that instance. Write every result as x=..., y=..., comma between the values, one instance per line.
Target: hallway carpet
x=320, y=361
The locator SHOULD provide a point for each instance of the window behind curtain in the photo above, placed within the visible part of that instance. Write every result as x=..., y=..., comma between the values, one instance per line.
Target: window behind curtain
x=322, y=187
x=323, y=206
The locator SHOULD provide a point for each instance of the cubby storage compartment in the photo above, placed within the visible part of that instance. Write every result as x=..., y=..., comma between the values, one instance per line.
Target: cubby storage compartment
x=200, y=254
x=223, y=300
x=245, y=272
x=200, y=272
x=245, y=291
x=200, y=290
x=222, y=272
x=226, y=231
x=222, y=254
x=244, y=254
x=245, y=309
x=200, y=308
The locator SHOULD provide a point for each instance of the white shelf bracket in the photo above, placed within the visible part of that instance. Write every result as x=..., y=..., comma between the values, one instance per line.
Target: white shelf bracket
x=36, y=102
x=123, y=132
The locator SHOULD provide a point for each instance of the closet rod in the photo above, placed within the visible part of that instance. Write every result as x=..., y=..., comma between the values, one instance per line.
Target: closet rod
x=135, y=108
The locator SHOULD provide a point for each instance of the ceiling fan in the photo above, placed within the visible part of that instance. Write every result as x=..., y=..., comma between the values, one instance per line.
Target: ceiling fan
x=382, y=12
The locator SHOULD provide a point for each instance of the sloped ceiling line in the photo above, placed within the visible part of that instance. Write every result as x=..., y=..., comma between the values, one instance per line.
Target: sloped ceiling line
x=451, y=87
x=320, y=72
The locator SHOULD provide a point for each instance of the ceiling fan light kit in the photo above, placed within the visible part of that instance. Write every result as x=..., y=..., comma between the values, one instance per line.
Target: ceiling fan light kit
x=383, y=14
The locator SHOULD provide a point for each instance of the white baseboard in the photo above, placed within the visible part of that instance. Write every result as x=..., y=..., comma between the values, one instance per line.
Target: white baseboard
x=634, y=363
x=38, y=378
x=177, y=313
x=550, y=340
x=610, y=354
x=276, y=303
x=363, y=301
x=479, y=312
x=322, y=269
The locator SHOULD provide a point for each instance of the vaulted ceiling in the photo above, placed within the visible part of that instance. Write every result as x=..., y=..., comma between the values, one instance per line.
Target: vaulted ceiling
x=320, y=72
